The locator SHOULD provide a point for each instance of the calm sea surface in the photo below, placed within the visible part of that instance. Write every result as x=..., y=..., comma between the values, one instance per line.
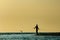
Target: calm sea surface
x=27, y=37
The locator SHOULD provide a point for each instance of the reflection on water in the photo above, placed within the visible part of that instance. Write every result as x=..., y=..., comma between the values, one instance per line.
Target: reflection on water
x=28, y=37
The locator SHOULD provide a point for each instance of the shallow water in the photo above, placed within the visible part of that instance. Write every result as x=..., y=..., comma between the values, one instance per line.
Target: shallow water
x=27, y=37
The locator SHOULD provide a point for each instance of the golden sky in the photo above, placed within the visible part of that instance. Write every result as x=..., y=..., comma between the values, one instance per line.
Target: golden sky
x=17, y=15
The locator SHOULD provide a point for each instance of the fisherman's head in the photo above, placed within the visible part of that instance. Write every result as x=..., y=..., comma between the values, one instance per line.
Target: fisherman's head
x=36, y=24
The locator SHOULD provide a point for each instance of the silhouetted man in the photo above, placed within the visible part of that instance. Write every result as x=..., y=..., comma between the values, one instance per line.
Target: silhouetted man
x=36, y=27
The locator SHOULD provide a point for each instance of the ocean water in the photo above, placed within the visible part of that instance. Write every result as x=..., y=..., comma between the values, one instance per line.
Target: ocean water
x=27, y=37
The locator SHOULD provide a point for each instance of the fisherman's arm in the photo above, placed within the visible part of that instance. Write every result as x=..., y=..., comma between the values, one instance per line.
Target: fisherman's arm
x=34, y=27
x=38, y=28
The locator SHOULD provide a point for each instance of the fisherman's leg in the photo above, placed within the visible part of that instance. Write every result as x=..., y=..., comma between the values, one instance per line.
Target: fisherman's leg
x=37, y=32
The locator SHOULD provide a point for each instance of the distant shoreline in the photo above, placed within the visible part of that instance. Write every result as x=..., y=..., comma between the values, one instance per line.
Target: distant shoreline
x=40, y=33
